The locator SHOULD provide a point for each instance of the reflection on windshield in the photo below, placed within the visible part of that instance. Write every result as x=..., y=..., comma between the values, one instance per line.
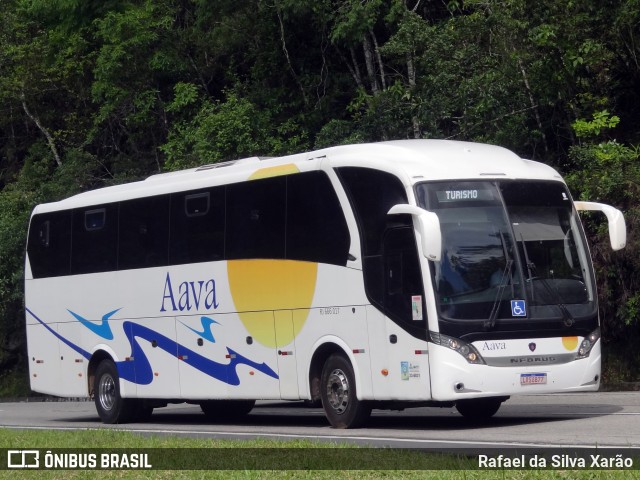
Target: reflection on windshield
x=545, y=230
x=529, y=251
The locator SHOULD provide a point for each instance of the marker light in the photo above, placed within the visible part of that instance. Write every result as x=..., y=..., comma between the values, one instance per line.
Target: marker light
x=467, y=350
x=587, y=344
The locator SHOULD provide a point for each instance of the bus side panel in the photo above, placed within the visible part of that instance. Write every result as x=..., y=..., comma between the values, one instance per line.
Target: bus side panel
x=219, y=358
x=73, y=364
x=285, y=322
x=252, y=367
x=400, y=362
x=205, y=335
x=155, y=357
x=44, y=359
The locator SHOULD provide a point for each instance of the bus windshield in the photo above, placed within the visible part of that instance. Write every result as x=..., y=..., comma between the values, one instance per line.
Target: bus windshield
x=511, y=250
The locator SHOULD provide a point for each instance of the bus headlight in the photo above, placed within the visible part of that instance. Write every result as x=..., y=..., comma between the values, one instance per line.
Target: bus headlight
x=588, y=343
x=465, y=349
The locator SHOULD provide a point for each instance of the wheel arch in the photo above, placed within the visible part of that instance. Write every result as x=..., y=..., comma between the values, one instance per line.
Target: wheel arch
x=96, y=358
x=322, y=350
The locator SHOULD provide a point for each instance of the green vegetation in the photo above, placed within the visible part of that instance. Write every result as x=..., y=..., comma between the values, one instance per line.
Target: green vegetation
x=301, y=455
x=101, y=92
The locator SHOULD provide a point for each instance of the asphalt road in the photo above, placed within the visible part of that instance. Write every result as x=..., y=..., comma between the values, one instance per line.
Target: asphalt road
x=576, y=420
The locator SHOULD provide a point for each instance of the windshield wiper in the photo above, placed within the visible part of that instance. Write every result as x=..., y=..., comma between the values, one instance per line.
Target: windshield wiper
x=506, y=277
x=531, y=269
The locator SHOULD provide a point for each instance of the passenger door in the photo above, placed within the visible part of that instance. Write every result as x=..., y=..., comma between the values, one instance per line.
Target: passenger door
x=404, y=304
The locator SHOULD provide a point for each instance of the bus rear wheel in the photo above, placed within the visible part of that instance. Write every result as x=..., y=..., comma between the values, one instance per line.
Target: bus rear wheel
x=111, y=407
x=338, y=393
x=479, y=408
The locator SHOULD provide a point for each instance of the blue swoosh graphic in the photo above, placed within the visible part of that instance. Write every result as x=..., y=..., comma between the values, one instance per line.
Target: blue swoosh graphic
x=103, y=329
x=81, y=351
x=206, y=332
x=138, y=370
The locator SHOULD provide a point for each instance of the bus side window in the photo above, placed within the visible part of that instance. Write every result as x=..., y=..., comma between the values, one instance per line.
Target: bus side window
x=94, y=239
x=197, y=226
x=316, y=228
x=144, y=233
x=372, y=193
x=256, y=219
x=49, y=244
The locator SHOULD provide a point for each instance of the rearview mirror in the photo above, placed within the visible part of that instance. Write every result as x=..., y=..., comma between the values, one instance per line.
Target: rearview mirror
x=617, y=225
x=428, y=226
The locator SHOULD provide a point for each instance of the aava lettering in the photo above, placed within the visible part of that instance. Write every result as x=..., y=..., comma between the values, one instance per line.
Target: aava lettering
x=190, y=295
x=494, y=346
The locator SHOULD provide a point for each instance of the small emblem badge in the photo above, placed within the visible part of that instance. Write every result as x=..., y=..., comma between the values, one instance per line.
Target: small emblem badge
x=532, y=347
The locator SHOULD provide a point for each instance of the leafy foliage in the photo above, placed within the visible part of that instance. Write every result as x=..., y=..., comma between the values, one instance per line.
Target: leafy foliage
x=610, y=171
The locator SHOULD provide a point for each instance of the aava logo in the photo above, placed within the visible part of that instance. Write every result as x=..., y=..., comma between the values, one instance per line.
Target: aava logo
x=190, y=295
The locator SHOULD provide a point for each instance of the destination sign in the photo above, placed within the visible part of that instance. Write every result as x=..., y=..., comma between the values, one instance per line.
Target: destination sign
x=464, y=195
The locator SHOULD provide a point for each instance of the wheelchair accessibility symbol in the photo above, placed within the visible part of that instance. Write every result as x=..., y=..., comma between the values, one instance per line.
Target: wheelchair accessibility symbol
x=518, y=308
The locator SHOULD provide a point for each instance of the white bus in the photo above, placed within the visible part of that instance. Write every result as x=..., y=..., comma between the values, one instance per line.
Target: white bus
x=387, y=275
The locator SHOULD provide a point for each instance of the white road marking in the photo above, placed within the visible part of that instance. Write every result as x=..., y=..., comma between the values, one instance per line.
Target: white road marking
x=391, y=440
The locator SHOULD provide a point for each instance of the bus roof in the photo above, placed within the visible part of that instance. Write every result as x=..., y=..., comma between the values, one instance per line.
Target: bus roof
x=413, y=161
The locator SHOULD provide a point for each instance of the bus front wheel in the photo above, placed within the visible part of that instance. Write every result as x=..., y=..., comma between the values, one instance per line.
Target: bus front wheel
x=111, y=407
x=338, y=394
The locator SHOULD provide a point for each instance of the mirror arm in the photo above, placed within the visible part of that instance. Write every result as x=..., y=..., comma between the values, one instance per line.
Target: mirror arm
x=617, y=225
x=429, y=228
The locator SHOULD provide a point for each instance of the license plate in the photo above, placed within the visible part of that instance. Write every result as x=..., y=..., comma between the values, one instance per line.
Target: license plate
x=533, y=379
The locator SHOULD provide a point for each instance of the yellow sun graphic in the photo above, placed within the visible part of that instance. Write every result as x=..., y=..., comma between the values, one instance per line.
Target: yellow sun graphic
x=259, y=287
x=570, y=343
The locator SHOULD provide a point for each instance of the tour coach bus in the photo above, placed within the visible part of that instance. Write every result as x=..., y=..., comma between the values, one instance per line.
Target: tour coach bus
x=387, y=275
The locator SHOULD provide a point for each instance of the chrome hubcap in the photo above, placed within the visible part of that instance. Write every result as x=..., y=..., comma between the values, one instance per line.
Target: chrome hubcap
x=107, y=391
x=338, y=391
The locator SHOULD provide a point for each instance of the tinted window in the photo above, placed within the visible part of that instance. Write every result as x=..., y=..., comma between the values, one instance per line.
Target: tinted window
x=94, y=219
x=256, y=219
x=316, y=228
x=95, y=239
x=49, y=245
x=197, y=226
x=197, y=204
x=144, y=233
x=372, y=193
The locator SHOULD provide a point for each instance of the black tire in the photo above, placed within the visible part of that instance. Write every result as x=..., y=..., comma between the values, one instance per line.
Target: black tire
x=217, y=410
x=339, y=396
x=143, y=411
x=479, y=408
x=313, y=403
x=111, y=407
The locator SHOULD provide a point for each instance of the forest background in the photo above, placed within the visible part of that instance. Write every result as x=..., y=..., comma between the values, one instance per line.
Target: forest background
x=99, y=92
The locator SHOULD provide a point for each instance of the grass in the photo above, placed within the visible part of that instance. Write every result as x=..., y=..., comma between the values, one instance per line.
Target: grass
x=306, y=459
